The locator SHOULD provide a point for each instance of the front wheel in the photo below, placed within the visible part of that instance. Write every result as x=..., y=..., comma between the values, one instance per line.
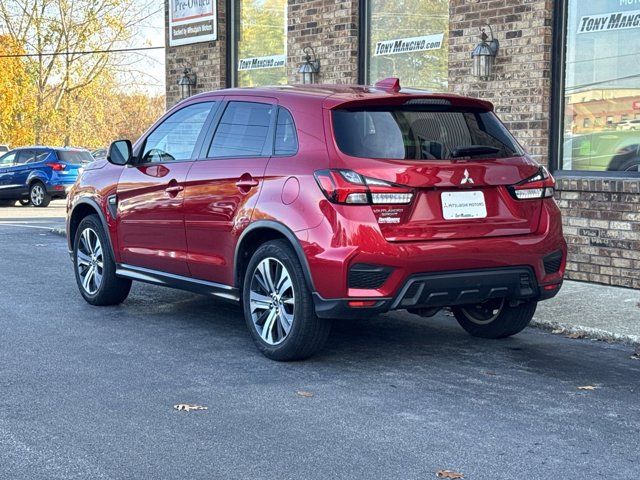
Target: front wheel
x=278, y=306
x=494, y=318
x=94, y=266
x=38, y=195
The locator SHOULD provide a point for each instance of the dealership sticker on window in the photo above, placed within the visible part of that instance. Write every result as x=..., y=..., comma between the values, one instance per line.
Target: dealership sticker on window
x=609, y=21
x=257, y=63
x=411, y=44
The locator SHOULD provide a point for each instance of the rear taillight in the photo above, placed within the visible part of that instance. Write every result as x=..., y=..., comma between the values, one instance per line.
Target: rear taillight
x=55, y=166
x=349, y=187
x=540, y=185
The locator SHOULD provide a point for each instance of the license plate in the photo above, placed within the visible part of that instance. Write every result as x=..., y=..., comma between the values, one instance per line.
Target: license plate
x=463, y=205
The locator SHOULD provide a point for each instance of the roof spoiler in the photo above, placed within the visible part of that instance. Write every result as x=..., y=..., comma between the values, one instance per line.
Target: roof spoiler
x=390, y=85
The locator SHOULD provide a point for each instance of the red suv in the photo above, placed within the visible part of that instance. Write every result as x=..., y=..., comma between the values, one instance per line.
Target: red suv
x=306, y=204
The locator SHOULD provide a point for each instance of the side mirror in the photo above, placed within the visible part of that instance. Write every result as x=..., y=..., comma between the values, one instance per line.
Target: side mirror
x=120, y=152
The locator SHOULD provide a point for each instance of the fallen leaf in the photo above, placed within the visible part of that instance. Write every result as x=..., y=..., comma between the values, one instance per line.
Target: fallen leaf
x=635, y=356
x=558, y=330
x=302, y=393
x=448, y=474
x=587, y=387
x=575, y=335
x=187, y=407
x=489, y=372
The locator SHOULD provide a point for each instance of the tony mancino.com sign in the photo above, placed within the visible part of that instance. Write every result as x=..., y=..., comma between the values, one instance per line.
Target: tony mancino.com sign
x=607, y=22
x=411, y=44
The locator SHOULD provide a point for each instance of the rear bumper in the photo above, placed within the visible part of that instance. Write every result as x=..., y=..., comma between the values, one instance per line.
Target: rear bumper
x=445, y=289
x=444, y=270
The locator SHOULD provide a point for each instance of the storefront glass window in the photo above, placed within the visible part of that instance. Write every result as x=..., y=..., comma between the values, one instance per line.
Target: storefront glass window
x=260, y=42
x=408, y=39
x=602, y=81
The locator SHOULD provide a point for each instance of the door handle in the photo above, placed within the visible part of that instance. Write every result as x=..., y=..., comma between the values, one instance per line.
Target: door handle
x=247, y=183
x=174, y=189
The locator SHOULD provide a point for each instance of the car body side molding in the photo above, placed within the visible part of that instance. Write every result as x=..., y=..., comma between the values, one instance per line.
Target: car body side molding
x=194, y=285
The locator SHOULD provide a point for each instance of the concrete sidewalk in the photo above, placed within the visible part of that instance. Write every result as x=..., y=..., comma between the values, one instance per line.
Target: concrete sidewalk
x=586, y=310
x=593, y=311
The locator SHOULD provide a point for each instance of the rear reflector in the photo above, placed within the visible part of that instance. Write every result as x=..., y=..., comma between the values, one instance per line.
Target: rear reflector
x=551, y=287
x=362, y=303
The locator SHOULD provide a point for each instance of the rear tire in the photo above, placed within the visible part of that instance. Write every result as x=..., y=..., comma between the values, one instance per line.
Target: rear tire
x=94, y=267
x=38, y=195
x=495, y=318
x=275, y=293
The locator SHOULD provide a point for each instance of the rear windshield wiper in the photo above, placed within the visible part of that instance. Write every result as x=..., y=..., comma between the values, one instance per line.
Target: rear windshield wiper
x=473, y=150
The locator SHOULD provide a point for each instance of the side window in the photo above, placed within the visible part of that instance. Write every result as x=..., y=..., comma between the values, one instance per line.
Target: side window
x=242, y=131
x=286, y=139
x=41, y=155
x=176, y=137
x=7, y=160
x=24, y=156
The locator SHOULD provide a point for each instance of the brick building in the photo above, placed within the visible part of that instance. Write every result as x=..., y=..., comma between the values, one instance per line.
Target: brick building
x=566, y=82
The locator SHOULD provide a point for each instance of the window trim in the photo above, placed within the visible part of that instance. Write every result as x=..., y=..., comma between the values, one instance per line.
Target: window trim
x=556, y=112
x=364, y=36
x=215, y=106
x=267, y=149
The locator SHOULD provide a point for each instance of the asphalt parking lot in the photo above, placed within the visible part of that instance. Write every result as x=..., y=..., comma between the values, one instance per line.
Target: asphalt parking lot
x=88, y=392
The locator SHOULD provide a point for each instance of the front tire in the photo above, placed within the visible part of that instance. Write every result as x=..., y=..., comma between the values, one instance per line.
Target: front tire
x=38, y=195
x=278, y=307
x=494, y=318
x=94, y=267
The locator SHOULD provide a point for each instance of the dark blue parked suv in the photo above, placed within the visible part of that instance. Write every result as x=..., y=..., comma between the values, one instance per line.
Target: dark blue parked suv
x=36, y=175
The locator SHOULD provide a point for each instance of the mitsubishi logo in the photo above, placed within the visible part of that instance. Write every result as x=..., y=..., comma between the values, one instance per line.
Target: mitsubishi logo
x=466, y=179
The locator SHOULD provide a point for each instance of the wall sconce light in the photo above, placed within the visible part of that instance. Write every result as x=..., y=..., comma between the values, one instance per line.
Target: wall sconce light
x=484, y=55
x=310, y=68
x=186, y=83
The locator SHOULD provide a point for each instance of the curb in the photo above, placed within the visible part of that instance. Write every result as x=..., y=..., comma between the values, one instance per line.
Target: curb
x=586, y=332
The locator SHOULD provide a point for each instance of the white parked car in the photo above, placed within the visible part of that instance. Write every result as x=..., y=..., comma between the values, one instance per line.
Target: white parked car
x=626, y=125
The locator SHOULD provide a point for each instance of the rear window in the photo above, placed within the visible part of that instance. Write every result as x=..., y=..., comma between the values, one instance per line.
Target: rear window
x=422, y=133
x=74, y=156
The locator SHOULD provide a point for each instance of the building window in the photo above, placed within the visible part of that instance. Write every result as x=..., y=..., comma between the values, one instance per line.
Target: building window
x=408, y=40
x=258, y=48
x=601, y=80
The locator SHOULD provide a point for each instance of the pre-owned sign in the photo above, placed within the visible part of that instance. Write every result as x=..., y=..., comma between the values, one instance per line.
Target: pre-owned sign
x=411, y=44
x=192, y=21
x=609, y=21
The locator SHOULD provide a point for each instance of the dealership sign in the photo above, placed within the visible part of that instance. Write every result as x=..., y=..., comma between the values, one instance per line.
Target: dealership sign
x=609, y=22
x=257, y=63
x=411, y=44
x=192, y=21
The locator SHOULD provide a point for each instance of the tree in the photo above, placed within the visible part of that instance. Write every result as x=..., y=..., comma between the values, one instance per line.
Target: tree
x=15, y=100
x=58, y=33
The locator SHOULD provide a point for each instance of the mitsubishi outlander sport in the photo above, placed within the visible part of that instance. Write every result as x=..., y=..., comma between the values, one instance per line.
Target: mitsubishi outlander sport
x=311, y=203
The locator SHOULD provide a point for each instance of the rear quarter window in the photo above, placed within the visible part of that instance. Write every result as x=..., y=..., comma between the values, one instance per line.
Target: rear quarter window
x=75, y=156
x=420, y=133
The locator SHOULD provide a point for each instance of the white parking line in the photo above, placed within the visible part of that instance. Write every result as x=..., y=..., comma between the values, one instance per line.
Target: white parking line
x=27, y=226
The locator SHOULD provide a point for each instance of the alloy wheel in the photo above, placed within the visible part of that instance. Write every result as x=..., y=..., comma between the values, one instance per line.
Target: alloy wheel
x=90, y=261
x=37, y=194
x=272, y=301
x=484, y=313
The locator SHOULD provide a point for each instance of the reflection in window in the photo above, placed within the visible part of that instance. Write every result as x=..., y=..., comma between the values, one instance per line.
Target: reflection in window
x=602, y=87
x=176, y=137
x=261, y=38
x=408, y=39
x=242, y=131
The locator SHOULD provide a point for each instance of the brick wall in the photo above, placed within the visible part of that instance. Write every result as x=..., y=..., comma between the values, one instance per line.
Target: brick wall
x=331, y=28
x=520, y=87
x=602, y=226
x=207, y=60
